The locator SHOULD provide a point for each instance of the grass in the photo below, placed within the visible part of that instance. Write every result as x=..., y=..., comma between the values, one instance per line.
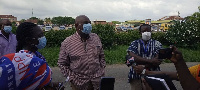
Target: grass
x=51, y=54
x=116, y=55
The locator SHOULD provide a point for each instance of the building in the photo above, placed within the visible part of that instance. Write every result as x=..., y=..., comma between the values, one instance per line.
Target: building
x=171, y=18
x=102, y=22
x=11, y=18
x=35, y=21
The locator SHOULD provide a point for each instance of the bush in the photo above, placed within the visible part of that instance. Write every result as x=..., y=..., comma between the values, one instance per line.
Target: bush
x=125, y=38
x=186, y=33
x=115, y=55
x=106, y=33
x=55, y=38
x=160, y=36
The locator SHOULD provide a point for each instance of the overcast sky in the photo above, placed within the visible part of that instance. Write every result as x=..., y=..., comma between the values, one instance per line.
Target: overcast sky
x=109, y=10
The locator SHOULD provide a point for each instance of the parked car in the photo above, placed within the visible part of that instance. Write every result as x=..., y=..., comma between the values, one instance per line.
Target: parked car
x=129, y=28
x=124, y=28
x=47, y=28
x=62, y=28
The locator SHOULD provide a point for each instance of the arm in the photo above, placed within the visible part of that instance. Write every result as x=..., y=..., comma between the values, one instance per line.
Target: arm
x=139, y=69
x=101, y=55
x=102, y=58
x=64, y=62
x=186, y=79
x=133, y=50
x=144, y=61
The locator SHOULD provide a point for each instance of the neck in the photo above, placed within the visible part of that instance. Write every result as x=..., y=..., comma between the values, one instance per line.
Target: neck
x=145, y=42
x=30, y=49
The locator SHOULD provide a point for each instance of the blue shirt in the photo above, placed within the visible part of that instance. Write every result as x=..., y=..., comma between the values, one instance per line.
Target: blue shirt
x=23, y=71
x=148, y=51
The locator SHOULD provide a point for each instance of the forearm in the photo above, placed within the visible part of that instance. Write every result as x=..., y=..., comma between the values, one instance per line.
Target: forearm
x=172, y=75
x=187, y=81
x=138, y=59
x=102, y=59
x=65, y=70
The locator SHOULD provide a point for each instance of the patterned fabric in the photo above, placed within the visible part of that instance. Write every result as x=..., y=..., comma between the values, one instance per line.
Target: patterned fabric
x=195, y=71
x=82, y=61
x=7, y=45
x=20, y=71
x=38, y=54
x=149, y=51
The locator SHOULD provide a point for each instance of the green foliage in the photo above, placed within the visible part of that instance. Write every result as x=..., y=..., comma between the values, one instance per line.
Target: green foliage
x=106, y=33
x=55, y=38
x=190, y=55
x=116, y=22
x=40, y=22
x=51, y=55
x=186, y=33
x=22, y=20
x=160, y=36
x=14, y=28
x=63, y=20
x=125, y=38
x=115, y=55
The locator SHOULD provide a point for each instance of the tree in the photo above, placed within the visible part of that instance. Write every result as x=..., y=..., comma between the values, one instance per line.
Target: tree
x=40, y=22
x=22, y=20
x=63, y=20
x=116, y=22
x=186, y=33
x=47, y=20
x=33, y=18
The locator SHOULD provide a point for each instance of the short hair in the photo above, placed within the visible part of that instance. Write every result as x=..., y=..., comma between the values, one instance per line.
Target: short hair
x=23, y=31
x=2, y=22
x=147, y=25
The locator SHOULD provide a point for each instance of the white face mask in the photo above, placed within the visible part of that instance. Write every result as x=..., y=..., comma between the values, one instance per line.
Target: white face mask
x=146, y=36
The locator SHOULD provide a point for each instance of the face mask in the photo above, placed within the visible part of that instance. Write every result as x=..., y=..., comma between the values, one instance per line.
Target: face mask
x=42, y=42
x=7, y=29
x=146, y=36
x=87, y=28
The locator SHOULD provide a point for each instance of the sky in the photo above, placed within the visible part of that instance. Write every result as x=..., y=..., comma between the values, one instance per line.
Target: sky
x=108, y=10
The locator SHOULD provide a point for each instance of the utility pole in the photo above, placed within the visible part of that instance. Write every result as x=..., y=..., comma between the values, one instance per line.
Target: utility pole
x=32, y=12
x=178, y=14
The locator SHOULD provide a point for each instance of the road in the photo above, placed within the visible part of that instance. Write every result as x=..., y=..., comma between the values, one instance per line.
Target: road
x=120, y=73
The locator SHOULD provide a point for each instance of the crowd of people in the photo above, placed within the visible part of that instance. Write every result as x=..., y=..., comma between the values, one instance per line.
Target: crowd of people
x=81, y=59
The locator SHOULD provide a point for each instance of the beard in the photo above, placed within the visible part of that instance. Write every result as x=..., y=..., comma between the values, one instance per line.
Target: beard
x=83, y=35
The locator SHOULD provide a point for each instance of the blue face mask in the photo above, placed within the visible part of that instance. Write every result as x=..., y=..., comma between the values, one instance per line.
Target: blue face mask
x=7, y=29
x=42, y=42
x=87, y=28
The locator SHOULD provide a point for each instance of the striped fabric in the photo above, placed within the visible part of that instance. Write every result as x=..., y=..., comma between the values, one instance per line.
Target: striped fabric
x=149, y=51
x=82, y=61
x=23, y=71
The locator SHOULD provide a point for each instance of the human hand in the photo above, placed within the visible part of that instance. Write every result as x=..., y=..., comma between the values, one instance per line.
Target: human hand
x=176, y=55
x=138, y=69
x=145, y=85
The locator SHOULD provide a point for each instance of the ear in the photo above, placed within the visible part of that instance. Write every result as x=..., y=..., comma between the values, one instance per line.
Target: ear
x=76, y=25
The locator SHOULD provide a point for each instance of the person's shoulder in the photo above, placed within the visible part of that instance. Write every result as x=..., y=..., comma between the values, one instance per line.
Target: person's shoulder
x=67, y=39
x=136, y=41
x=93, y=35
x=9, y=56
x=156, y=41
